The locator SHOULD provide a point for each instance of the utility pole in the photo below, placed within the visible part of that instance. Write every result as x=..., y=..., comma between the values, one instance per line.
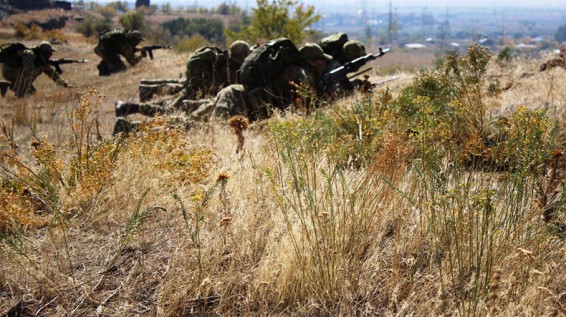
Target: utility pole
x=390, y=27
x=443, y=31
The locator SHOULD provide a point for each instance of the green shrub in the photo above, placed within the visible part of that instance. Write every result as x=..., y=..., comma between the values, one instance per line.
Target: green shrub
x=90, y=27
x=190, y=44
x=133, y=20
x=210, y=29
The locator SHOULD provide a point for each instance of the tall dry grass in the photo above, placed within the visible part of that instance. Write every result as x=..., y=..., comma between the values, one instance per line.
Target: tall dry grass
x=416, y=199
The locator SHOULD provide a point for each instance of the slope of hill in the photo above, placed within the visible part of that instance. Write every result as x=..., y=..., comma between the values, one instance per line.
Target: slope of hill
x=440, y=193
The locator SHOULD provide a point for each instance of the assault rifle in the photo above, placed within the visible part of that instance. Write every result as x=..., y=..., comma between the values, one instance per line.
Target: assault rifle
x=56, y=63
x=148, y=50
x=339, y=74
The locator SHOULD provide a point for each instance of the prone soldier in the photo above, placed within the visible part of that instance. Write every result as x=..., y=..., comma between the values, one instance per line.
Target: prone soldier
x=255, y=101
x=319, y=64
x=208, y=71
x=22, y=65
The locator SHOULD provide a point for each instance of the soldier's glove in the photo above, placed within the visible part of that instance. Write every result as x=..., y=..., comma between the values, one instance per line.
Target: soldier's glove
x=357, y=83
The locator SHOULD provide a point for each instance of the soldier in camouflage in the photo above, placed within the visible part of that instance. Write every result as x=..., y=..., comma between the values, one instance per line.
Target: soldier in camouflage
x=255, y=103
x=208, y=69
x=341, y=48
x=23, y=67
x=352, y=50
x=185, y=99
x=321, y=64
x=112, y=44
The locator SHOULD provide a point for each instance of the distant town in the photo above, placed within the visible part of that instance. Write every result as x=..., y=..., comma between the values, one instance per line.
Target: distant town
x=388, y=24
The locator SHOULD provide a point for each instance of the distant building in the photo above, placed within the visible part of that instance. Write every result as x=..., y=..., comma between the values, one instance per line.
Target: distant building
x=415, y=45
x=486, y=42
x=37, y=4
x=140, y=3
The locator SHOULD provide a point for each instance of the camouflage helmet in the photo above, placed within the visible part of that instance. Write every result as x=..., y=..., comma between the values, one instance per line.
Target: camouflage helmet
x=311, y=51
x=45, y=46
x=239, y=50
x=136, y=35
x=353, y=49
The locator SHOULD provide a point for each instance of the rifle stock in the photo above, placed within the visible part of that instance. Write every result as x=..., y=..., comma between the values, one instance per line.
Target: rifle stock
x=148, y=50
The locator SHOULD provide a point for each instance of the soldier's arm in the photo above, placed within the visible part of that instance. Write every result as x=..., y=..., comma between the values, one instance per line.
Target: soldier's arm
x=342, y=79
x=28, y=59
x=129, y=52
x=52, y=73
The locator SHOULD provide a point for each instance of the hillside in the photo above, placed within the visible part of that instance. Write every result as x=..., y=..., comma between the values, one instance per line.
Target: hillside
x=439, y=193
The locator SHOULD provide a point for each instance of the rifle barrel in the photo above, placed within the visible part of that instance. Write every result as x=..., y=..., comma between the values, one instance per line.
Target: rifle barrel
x=360, y=72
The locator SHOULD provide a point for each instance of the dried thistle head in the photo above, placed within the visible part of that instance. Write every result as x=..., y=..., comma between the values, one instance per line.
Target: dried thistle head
x=239, y=123
x=222, y=178
x=35, y=144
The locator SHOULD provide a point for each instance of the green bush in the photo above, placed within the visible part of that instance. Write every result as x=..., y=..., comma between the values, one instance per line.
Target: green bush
x=90, y=27
x=274, y=19
x=190, y=44
x=210, y=29
x=133, y=20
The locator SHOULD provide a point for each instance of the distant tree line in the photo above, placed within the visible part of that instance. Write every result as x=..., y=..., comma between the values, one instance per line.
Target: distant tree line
x=270, y=19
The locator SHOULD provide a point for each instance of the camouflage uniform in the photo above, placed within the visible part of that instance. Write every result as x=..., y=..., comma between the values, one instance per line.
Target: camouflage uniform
x=341, y=49
x=319, y=64
x=322, y=64
x=213, y=77
x=254, y=102
x=114, y=43
x=22, y=69
x=212, y=71
x=352, y=50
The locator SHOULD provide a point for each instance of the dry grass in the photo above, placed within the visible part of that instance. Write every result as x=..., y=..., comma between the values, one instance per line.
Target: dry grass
x=172, y=223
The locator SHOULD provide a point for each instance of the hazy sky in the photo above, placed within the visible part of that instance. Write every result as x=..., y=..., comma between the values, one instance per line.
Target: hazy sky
x=482, y=3
x=349, y=6
x=560, y=4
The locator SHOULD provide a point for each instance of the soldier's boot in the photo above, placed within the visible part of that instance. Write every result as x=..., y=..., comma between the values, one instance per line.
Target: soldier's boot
x=4, y=86
x=23, y=91
x=146, y=92
x=103, y=69
x=125, y=108
x=124, y=126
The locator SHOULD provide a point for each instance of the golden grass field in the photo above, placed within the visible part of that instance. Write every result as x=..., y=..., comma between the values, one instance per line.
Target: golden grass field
x=170, y=222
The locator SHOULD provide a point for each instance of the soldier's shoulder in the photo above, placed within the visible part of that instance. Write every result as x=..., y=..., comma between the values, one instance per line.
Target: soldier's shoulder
x=107, y=34
x=13, y=46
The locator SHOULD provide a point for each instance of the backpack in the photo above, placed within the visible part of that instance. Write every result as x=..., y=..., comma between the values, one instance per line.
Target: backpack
x=205, y=59
x=332, y=44
x=114, y=36
x=8, y=53
x=267, y=61
x=206, y=69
